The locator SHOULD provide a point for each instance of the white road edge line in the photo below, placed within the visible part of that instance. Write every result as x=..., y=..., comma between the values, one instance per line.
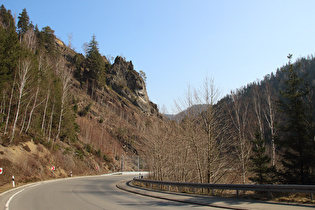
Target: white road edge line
x=7, y=204
x=47, y=181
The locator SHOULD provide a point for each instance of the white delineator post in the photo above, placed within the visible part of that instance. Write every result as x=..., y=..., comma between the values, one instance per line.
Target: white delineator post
x=13, y=182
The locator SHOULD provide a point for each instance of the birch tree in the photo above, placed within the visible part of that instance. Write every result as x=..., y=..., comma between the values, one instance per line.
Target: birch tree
x=24, y=69
x=192, y=131
x=65, y=76
x=238, y=114
x=257, y=105
x=270, y=116
x=212, y=125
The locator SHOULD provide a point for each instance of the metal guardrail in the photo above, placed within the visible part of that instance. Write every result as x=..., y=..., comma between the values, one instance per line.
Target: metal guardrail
x=237, y=187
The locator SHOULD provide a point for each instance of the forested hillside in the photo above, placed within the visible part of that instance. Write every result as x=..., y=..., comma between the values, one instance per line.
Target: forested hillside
x=79, y=113
x=261, y=133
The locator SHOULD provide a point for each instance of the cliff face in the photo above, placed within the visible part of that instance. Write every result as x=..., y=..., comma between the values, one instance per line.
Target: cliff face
x=122, y=78
x=129, y=84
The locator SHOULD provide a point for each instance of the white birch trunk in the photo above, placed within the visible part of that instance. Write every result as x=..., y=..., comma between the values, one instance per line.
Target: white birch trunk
x=24, y=68
x=32, y=110
x=45, y=109
x=65, y=80
x=24, y=119
x=270, y=118
x=50, y=124
x=9, y=108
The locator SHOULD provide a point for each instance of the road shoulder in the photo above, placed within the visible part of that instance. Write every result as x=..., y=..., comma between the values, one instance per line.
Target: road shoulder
x=213, y=201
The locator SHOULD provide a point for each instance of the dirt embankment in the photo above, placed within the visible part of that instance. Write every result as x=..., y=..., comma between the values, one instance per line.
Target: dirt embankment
x=29, y=162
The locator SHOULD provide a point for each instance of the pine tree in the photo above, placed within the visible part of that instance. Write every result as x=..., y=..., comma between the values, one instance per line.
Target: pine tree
x=9, y=47
x=46, y=38
x=23, y=23
x=296, y=135
x=95, y=62
x=7, y=20
x=264, y=173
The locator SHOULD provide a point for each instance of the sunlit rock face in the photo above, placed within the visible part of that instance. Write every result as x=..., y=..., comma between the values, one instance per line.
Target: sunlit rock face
x=128, y=83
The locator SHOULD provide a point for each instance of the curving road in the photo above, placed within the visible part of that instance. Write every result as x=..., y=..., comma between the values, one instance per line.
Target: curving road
x=86, y=193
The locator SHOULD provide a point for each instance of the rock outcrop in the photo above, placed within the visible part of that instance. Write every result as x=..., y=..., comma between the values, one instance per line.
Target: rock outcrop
x=129, y=84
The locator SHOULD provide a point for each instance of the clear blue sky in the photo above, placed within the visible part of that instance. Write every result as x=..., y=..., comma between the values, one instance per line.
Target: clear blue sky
x=179, y=42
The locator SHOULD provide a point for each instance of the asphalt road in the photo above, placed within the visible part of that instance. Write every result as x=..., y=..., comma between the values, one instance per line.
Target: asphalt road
x=87, y=193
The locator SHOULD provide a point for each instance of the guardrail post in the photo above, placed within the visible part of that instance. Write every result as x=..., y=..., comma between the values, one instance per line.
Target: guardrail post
x=168, y=188
x=179, y=189
x=312, y=198
x=237, y=194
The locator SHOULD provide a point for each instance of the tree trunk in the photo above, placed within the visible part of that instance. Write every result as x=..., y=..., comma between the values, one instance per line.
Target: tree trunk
x=45, y=109
x=50, y=124
x=9, y=108
x=270, y=118
x=24, y=68
x=32, y=110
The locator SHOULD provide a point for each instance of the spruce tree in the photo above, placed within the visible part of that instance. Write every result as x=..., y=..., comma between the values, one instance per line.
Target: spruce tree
x=23, y=23
x=46, y=39
x=7, y=20
x=9, y=47
x=296, y=136
x=95, y=62
x=263, y=172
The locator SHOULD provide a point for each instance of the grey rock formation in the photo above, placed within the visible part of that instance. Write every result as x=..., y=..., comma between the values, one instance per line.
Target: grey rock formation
x=128, y=83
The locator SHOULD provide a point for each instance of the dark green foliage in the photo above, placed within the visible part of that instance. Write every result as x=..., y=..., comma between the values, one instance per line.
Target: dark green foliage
x=7, y=20
x=9, y=47
x=296, y=135
x=264, y=173
x=95, y=63
x=79, y=62
x=106, y=158
x=75, y=108
x=80, y=153
x=88, y=148
x=86, y=110
x=98, y=153
x=69, y=129
x=46, y=39
x=76, y=127
x=23, y=23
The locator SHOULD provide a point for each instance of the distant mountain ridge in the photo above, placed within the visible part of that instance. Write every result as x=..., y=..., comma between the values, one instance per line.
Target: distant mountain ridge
x=195, y=110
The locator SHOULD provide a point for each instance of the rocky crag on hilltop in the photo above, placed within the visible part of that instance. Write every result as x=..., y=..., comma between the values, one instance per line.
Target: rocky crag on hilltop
x=129, y=84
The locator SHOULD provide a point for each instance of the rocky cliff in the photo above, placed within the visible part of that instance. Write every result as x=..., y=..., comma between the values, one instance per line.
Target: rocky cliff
x=129, y=84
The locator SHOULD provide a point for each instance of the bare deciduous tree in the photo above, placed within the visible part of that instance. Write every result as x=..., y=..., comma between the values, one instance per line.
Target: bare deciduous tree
x=270, y=118
x=212, y=119
x=65, y=76
x=257, y=103
x=238, y=113
x=24, y=68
